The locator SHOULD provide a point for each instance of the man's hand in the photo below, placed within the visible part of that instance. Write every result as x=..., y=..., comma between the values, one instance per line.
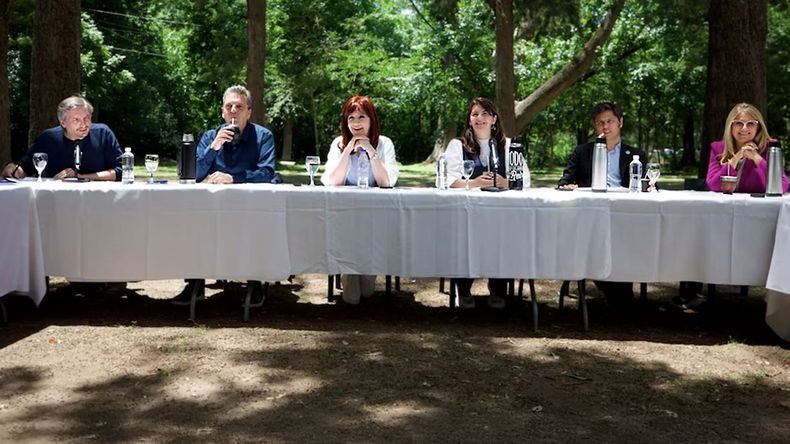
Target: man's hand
x=219, y=177
x=68, y=172
x=223, y=135
x=14, y=170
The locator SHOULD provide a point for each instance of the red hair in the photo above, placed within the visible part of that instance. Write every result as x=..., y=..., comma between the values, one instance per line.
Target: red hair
x=364, y=105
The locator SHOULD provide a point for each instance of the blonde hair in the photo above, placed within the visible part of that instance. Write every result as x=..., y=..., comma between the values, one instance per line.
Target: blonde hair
x=760, y=137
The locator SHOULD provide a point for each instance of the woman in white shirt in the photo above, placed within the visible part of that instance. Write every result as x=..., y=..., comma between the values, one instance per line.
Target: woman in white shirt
x=360, y=129
x=474, y=145
x=360, y=134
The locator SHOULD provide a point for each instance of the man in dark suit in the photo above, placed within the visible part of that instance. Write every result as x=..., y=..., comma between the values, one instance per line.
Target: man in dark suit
x=608, y=120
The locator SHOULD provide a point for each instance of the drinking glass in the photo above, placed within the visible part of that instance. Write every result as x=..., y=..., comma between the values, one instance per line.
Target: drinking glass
x=653, y=173
x=312, y=163
x=468, y=169
x=40, y=162
x=151, y=164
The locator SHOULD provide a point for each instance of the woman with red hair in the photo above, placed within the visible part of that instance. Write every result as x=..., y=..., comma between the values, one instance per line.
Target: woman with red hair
x=360, y=130
x=360, y=135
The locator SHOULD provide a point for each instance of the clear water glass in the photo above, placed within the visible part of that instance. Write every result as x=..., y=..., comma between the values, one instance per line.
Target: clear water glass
x=312, y=163
x=151, y=164
x=653, y=173
x=467, y=170
x=40, y=162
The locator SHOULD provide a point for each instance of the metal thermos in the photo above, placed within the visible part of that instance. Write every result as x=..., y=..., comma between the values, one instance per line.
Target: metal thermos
x=187, y=157
x=773, y=184
x=515, y=165
x=600, y=165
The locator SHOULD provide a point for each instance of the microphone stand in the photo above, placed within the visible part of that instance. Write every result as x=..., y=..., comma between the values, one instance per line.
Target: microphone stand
x=77, y=159
x=493, y=165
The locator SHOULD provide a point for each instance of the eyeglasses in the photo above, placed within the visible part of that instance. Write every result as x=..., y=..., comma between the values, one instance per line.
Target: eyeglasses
x=749, y=124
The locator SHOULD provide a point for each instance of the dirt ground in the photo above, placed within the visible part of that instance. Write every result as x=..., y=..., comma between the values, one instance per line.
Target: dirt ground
x=126, y=366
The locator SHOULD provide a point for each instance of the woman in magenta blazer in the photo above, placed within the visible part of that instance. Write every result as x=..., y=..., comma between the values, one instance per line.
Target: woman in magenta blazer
x=744, y=147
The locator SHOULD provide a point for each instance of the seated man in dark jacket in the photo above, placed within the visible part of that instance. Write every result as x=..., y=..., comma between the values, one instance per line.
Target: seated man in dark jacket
x=99, y=151
x=608, y=120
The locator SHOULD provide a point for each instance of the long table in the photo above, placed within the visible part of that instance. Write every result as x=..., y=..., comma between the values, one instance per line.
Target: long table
x=110, y=231
x=21, y=260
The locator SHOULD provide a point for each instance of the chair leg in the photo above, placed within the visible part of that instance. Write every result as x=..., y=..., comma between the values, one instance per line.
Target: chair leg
x=511, y=283
x=583, y=304
x=199, y=289
x=643, y=291
x=251, y=288
x=744, y=291
x=564, y=291
x=520, y=288
x=388, y=286
x=534, y=299
x=397, y=283
x=330, y=288
x=3, y=314
x=441, y=285
x=452, y=293
x=711, y=291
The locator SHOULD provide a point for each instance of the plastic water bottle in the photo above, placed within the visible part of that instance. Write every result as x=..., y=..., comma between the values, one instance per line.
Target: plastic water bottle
x=363, y=169
x=441, y=172
x=127, y=166
x=635, y=170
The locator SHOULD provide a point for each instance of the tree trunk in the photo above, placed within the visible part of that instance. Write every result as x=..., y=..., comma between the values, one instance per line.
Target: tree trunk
x=527, y=109
x=447, y=132
x=5, y=97
x=737, y=31
x=54, y=60
x=505, y=74
x=688, y=141
x=256, y=56
x=288, y=137
x=316, y=149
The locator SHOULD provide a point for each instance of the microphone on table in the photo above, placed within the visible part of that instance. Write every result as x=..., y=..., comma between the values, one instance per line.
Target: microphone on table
x=493, y=159
x=77, y=156
x=493, y=164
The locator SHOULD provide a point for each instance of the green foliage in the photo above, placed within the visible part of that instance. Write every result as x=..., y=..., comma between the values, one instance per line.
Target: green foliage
x=157, y=68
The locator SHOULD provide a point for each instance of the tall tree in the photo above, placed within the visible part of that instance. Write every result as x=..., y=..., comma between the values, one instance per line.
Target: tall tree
x=256, y=56
x=737, y=31
x=55, y=60
x=5, y=98
x=505, y=75
x=528, y=108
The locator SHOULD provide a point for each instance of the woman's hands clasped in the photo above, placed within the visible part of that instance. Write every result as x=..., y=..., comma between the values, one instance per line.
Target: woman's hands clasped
x=748, y=151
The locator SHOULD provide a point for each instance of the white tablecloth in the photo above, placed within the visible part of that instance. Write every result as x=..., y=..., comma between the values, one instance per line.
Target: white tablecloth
x=109, y=231
x=777, y=313
x=21, y=262
x=113, y=232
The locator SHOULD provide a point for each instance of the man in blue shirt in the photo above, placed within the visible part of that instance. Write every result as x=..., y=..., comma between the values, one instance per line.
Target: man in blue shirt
x=226, y=156
x=236, y=152
x=99, y=151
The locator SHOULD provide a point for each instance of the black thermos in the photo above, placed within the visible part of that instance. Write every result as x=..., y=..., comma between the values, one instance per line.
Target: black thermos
x=187, y=156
